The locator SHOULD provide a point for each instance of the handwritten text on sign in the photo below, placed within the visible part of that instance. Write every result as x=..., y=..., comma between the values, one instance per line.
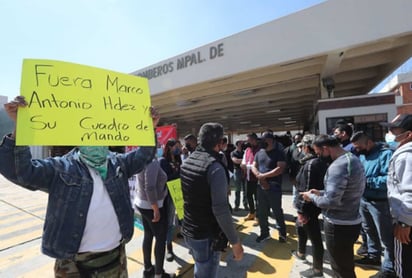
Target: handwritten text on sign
x=71, y=104
x=175, y=190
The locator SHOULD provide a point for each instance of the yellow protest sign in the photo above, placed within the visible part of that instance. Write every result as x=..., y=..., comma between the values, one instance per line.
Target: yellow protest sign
x=175, y=190
x=72, y=104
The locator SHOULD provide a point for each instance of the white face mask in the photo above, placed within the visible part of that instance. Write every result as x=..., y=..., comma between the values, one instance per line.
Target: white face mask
x=390, y=139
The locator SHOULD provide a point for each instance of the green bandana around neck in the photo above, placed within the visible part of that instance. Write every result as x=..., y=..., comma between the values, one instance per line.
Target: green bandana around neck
x=95, y=157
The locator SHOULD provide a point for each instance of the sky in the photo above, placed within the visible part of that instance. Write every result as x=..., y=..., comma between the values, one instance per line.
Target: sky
x=121, y=35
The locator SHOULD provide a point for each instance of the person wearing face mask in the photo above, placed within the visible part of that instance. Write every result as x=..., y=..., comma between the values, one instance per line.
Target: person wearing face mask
x=190, y=143
x=89, y=214
x=151, y=203
x=310, y=176
x=400, y=192
x=374, y=206
x=390, y=140
x=343, y=132
x=340, y=200
x=251, y=180
x=170, y=163
x=268, y=166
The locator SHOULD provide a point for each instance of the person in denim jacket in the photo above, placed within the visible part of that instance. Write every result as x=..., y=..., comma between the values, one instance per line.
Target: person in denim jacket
x=89, y=215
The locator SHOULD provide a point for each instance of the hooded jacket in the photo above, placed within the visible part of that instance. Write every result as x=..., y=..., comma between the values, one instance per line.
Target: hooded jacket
x=400, y=184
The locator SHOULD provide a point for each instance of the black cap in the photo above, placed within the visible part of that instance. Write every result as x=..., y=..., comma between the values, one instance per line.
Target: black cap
x=403, y=121
x=268, y=135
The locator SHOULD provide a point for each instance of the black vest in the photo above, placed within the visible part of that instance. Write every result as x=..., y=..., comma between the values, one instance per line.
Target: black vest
x=199, y=221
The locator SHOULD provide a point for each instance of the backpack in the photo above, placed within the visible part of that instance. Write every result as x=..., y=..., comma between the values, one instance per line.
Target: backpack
x=302, y=187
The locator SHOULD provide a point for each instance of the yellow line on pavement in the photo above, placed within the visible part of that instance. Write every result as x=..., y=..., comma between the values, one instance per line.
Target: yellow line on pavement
x=275, y=259
x=361, y=272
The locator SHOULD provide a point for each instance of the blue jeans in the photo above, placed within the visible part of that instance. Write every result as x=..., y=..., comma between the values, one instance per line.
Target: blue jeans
x=270, y=199
x=206, y=260
x=377, y=224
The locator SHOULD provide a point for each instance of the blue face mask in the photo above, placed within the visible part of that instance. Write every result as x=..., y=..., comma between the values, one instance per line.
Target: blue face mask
x=390, y=139
x=176, y=151
x=159, y=152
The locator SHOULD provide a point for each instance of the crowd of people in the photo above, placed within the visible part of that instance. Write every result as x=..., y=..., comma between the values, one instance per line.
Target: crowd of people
x=361, y=187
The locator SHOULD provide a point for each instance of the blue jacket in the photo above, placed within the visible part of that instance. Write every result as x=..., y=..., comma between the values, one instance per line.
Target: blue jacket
x=376, y=165
x=70, y=187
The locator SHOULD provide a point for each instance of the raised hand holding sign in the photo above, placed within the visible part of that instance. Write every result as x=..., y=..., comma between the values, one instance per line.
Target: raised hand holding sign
x=71, y=104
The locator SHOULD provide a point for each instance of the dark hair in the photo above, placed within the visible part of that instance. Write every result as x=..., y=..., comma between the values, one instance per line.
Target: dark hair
x=325, y=140
x=167, y=153
x=210, y=134
x=171, y=142
x=189, y=137
x=238, y=142
x=224, y=140
x=341, y=122
x=345, y=127
x=360, y=136
x=252, y=135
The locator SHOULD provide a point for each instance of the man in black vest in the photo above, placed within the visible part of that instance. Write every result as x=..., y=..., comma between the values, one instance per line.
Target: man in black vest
x=207, y=222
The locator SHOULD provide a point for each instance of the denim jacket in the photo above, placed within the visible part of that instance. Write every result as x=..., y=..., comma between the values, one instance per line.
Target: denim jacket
x=70, y=187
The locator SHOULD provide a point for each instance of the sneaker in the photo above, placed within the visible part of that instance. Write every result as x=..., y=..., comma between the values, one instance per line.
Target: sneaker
x=384, y=274
x=297, y=256
x=170, y=256
x=370, y=262
x=262, y=238
x=282, y=239
x=250, y=216
x=149, y=273
x=311, y=273
x=167, y=275
x=362, y=251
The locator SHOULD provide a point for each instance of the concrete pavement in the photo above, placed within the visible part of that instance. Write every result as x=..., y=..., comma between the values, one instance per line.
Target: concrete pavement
x=22, y=215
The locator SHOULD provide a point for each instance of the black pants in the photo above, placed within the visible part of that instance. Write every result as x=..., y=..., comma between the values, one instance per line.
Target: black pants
x=251, y=188
x=312, y=229
x=403, y=255
x=157, y=230
x=339, y=242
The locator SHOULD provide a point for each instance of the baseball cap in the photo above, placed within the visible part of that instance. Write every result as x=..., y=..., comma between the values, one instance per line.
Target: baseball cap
x=403, y=121
x=268, y=135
